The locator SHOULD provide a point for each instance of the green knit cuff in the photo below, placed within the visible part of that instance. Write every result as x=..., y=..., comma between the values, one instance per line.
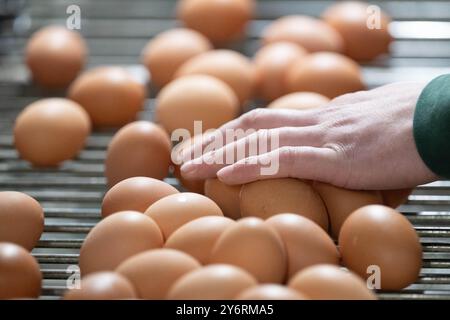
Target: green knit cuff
x=432, y=125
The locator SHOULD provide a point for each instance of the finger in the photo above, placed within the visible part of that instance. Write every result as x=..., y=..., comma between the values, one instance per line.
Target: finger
x=250, y=122
x=260, y=142
x=310, y=163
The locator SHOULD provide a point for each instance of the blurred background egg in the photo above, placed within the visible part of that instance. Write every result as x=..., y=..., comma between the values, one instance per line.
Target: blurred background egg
x=340, y=203
x=299, y=101
x=136, y=194
x=396, y=197
x=198, y=237
x=379, y=236
x=20, y=276
x=271, y=65
x=195, y=98
x=21, y=219
x=270, y=292
x=231, y=67
x=219, y=20
x=116, y=238
x=266, y=198
x=140, y=148
x=165, y=53
x=55, y=56
x=352, y=20
x=214, y=282
x=153, y=272
x=312, y=34
x=175, y=210
x=255, y=247
x=330, y=282
x=50, y=131
x=102, y=286
x=306, y=243
x=226, y=197
x=330, y=74
x=111, y=95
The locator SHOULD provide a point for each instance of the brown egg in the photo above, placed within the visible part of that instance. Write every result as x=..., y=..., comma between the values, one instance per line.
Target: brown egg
x=270, y=292
x=255, y=247
x=55, y=55
x=173, y=211
x=102, y=286
x=365, y=33
x=116, y=238
x=214, y=282
x=308, y=32
x=153, y=272
x=21, y=219
x=198, y=237
x=165, y=53
x=306, y=243
x=271, y=65
x=110, y=95
x=226, y=197
x=140, y=148
x=379, y=236
x=330, y=282
x=395, y=198
x=136, y=194
x=219, y=20
x=50, y=131
x=299, y=101
x=195, y=98
x=197, y=186
x=20, y=276
x=266, y=198
x=327, y=73
x=229, y=66
x=340, y=203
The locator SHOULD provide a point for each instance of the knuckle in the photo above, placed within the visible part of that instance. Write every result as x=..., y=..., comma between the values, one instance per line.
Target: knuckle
x=252, y=117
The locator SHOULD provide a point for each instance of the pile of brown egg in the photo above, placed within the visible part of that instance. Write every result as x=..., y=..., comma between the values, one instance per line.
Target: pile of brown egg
x=269, y=239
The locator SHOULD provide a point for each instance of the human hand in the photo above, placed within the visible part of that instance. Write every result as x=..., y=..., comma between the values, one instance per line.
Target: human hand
x=362, y=140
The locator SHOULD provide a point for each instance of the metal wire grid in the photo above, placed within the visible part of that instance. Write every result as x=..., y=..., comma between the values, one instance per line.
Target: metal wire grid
x=116, y=31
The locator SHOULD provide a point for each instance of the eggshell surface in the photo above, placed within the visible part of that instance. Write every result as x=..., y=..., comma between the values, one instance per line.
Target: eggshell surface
x=299, y=101
x=306, y=243
x=102, y=286
x=50, y=131
x=265, y=198
x=140, y=148
x=111, y=95
x=54, y=56
x=226, y=197
x=20, y=276
x=175, y=210
x=330, y=74
x=21, y=219
x=153, y=272
x=270, y=292
x=255, y=247
x=342, y=202
x=329, y=282
x=198, y=237
x=165, y=53
x=379, y=236
x=136, y=194
x=214, y=282
x=116, y=238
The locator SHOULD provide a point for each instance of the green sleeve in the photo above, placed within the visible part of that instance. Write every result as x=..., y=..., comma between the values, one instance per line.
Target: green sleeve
x=432, y=125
